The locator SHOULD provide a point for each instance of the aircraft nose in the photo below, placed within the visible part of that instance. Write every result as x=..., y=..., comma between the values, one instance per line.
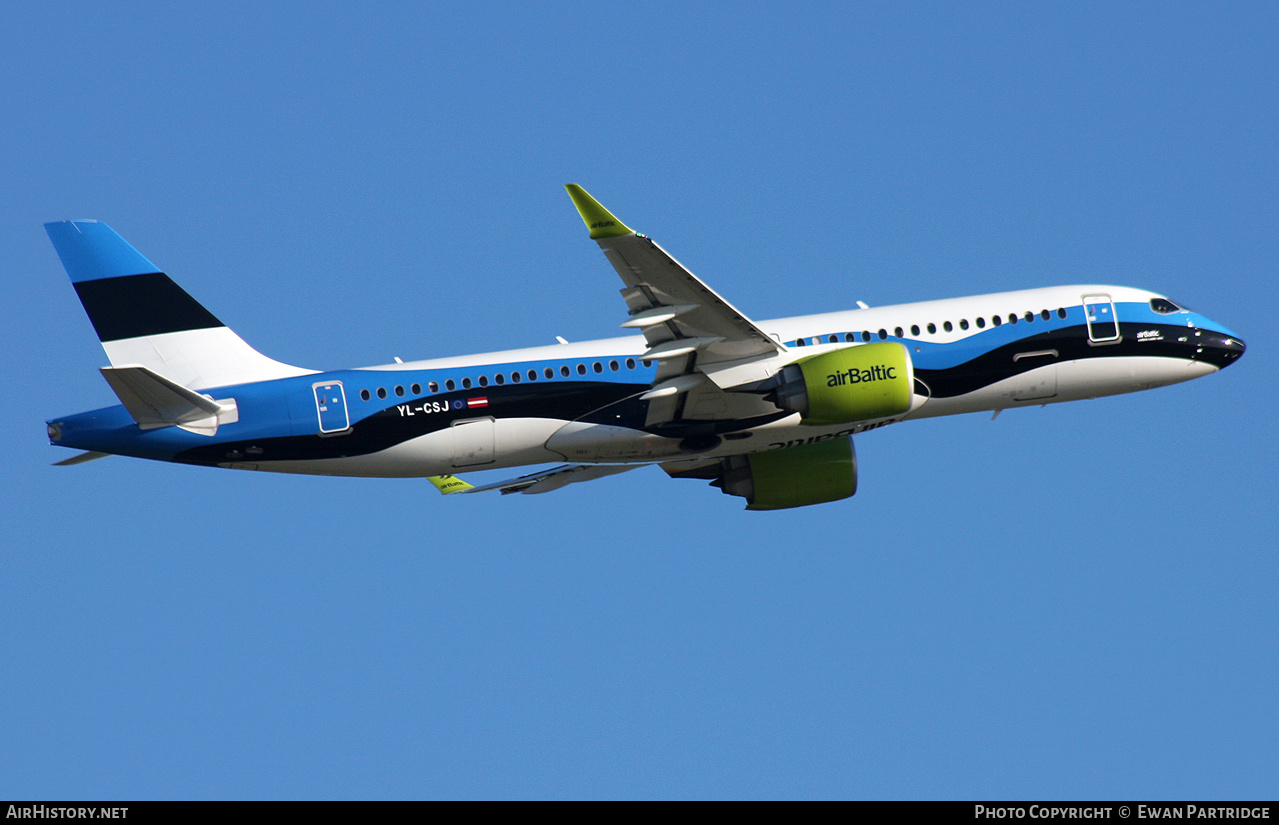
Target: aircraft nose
x=1217, y=348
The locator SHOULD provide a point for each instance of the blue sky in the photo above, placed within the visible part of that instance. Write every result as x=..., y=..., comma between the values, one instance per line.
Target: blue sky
x=1069, y=602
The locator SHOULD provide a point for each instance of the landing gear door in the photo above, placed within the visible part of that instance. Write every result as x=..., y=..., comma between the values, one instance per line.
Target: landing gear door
x=1103, y=325
x=330, y=406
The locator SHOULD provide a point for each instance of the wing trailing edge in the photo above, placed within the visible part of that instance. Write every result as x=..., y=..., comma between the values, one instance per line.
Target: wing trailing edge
x=543, y=481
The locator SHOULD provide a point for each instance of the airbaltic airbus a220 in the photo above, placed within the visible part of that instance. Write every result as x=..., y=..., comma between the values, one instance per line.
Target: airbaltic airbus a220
x=764, y=410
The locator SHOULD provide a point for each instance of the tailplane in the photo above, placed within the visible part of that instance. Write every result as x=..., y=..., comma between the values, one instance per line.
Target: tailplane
x=144, y=319
x=154, y=401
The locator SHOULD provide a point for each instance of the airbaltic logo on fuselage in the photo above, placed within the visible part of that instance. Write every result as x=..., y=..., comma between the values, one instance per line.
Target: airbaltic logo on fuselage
x=879, y=372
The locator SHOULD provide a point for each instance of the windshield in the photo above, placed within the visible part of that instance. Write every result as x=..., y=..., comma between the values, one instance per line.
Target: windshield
x=1163, y=306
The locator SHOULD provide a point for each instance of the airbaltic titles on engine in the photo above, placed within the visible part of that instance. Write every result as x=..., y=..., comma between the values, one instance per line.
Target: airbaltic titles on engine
x=879, y=372
x=764, y=410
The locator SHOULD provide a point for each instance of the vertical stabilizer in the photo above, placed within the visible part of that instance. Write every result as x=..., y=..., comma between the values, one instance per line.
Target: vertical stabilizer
x=143, y=318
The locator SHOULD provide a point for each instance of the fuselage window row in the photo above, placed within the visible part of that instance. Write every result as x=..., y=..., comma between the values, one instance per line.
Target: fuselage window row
x=614, y=366
x=899, y=332
x=500, y=379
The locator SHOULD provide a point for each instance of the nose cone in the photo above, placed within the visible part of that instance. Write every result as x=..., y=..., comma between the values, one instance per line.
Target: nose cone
x=1221, y=349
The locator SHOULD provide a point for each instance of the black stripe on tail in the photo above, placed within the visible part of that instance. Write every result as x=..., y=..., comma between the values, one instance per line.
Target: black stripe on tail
x=131, y=306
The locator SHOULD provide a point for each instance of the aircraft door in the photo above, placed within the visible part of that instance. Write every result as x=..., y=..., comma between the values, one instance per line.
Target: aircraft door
x=1103, y=324
x=330, y=406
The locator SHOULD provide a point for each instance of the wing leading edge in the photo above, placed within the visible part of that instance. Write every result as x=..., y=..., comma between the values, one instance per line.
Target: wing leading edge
x=543, y=481
x=691, y=331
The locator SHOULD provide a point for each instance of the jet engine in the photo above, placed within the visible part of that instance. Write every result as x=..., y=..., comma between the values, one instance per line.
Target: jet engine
x=858, y=383
x=780, y=479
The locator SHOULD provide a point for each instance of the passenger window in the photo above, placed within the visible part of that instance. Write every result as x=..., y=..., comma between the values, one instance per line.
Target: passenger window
x=381, y=392
x=532, y=375
x=399, y=390
x=1061, y=313
x=800, y=342
x=883, y=335
x=932, y=329
x=996, y=320
x=364, y=395
x=433, y=387
x=466, y=383
x=613, y=365
x=516, y=377
x=581, y=369
x=897, y=333
x=630, y=363
x=963, y=323
x=500, y=379
x=549, y=373
x=417, y=389
x=1030, y=317
x=981, y=323
x=948, y=326
x=1012, y=319
x=914, y=330
x=598, y=367
x=849, y=338
x=1045, y=314
x=450, y=385
x=865, y=335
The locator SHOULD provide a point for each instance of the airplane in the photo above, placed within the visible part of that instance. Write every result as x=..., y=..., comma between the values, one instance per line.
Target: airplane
x=766, y=410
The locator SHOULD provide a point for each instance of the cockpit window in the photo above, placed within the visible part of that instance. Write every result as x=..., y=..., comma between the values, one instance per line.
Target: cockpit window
x=1163, y=306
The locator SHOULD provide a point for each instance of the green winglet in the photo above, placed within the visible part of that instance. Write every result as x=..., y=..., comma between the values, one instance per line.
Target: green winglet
x=450, y=484
x=598, y=219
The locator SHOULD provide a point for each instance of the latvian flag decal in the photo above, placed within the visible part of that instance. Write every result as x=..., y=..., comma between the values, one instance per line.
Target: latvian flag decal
x=472, y=403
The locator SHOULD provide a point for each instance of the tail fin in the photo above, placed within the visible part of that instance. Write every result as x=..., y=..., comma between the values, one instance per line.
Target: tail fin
x=143, y=318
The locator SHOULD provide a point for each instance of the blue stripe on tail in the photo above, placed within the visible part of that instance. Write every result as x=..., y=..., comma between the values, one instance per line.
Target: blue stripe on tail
x=90, y=250
x=124, y=294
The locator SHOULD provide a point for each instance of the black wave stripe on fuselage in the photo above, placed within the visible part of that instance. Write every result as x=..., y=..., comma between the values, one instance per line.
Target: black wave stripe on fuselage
x=566, y=401
x=130, y=306
x=632, y=412
x=1071, y=344
x=618, y=404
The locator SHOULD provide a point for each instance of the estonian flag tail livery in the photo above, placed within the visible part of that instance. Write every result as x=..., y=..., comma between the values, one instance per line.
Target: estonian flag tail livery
x=145, y=319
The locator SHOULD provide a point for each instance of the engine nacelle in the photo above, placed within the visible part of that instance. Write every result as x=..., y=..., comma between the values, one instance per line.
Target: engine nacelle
x=851, y=384
x=794, y=477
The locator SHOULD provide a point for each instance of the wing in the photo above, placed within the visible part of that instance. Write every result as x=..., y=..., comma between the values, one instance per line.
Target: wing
x=543, y=481
x=693, y=333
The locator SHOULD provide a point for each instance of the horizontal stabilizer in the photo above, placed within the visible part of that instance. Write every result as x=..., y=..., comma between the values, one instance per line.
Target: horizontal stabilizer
x=154, y=401
x=80, y=459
